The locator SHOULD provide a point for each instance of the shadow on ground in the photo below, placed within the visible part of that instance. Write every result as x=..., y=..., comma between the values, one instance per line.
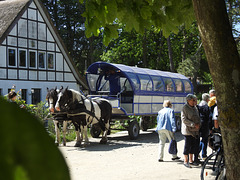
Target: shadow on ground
x=122, y=140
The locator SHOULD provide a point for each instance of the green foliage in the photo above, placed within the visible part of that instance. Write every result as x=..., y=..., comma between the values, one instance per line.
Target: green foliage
x=188, y=67
x=136, y=15
x=27, y=151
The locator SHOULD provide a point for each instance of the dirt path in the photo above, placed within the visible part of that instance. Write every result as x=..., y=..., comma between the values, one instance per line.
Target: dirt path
x=123, y=159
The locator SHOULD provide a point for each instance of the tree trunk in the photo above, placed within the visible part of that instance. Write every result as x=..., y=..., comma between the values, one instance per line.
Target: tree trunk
x=224, y=64
x=170, y=54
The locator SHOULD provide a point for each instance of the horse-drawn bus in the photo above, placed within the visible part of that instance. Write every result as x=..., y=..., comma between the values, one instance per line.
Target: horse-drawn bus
x=135, y=91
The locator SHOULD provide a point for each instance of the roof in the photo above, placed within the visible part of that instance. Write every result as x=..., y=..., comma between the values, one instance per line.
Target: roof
x=10, y=13
x=131, y=69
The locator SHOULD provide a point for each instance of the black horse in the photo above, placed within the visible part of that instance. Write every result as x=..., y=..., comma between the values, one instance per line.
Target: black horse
x=79, y=121
x=97, y=110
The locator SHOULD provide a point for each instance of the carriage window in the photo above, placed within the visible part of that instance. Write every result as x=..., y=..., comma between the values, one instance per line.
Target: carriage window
x=169, y=87
x=146, y=83
x=124, y=82
x=92, y=80
x=187, y=86
x=104, y=85
x=157, y=83
x=134, y=79
x=178, y=85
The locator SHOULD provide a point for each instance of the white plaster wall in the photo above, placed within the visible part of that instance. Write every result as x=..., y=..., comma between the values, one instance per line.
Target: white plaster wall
x=66, y=67
x=6, y=84
x=22, y=74
x=59, y=76
x=2, y=56
x=51, y=76
x=42, y=75
x=12, y=74
x=69, y=77
x=3, y=73
x=59, y=62
x=32, y=75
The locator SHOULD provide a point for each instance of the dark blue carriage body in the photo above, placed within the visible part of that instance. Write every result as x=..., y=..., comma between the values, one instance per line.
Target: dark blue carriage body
x=137, y=91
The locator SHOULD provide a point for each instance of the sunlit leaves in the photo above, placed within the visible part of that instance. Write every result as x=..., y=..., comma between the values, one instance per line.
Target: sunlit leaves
x=138, y=15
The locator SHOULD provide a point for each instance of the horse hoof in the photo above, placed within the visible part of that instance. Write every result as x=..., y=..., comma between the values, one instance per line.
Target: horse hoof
x=78, y=144
x=64, y=144
x=103, y=141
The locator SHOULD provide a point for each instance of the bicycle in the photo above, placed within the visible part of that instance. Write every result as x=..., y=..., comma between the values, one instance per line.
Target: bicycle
x=214, y=165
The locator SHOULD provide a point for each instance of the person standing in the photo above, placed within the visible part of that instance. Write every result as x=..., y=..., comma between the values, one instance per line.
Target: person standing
x=165, y=128
x=190, y=129
x=204, y=113
x=12, y=96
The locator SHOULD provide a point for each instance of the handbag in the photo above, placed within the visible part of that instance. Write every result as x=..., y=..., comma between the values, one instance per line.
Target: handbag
x=173, y=147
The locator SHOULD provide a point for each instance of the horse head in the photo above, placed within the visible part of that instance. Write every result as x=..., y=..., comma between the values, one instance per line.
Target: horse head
x=51, y=97
x=64, y=99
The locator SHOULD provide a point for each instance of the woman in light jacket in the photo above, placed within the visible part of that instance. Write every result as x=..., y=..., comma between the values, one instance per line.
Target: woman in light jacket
x=190, y=129
x=166, y=127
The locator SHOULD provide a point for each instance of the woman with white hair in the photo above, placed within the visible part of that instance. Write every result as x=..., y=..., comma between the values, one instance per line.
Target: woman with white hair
x=190, y=129
x=166, y=127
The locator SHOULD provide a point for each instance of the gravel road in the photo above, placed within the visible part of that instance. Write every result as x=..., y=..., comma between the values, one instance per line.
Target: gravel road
x=125, y=159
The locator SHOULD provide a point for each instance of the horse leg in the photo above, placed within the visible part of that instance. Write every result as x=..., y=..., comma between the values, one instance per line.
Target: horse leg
x=64, y=132
x=57, y=131
x=104, y=136
x=84, y=130
x=79, y=139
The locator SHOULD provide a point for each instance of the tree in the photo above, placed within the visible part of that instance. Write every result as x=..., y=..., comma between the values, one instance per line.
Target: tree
x=224, y=64
x=217, y=38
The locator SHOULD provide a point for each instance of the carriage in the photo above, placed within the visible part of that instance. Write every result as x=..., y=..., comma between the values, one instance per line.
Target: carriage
x=135, y=91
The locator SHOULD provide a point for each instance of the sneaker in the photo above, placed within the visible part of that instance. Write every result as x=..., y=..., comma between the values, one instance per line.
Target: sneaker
x=176, y=158
x=160, y=160
x=187, y=165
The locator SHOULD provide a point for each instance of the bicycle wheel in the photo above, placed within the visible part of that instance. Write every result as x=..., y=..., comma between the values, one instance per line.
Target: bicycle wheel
x=209, y=167
x=222, y=170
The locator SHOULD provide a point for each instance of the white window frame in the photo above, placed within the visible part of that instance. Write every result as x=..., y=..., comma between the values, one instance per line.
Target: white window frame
x=19, y=58
x=15, y=49
x=36, y=63
x=45, y=64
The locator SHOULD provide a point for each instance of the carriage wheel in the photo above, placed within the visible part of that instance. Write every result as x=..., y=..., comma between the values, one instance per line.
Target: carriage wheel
x=95, y=130
x=133, y=130
x=144, y=122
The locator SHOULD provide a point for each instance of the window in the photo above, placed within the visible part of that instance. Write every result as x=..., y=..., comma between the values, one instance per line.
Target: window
x=158, y=83
x=187, y=86
x=146, y=83
x=41, y=59
x=134, y=79
x=12, y=57
x=24, y=94
x=169, y=87
x=36, y=95
x=32, y=59
x=50, y=61
x=22, y=58
x=178, y=85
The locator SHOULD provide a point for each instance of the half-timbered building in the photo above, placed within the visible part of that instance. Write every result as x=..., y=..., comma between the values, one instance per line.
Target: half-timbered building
x=32, y=54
